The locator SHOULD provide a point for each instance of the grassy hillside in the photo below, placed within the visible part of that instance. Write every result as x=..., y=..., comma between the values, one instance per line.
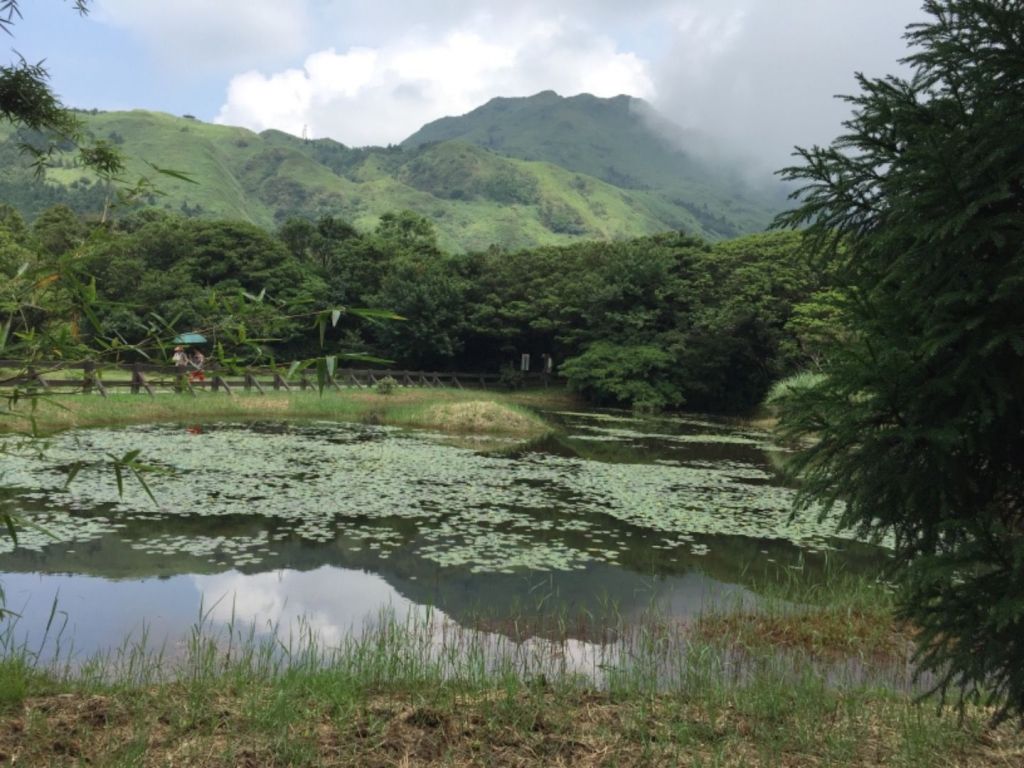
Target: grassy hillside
x=622, y=141
x=475, y=196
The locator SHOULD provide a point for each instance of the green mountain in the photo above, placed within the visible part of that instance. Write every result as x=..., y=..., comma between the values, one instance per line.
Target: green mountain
x=516, y=172
x=622, y=141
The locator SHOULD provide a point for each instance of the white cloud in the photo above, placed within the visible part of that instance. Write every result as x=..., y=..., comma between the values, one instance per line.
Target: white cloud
x=754, y=75
x=334, y=604
x=378, y=95
x=212, y=34
x=329, y=602
x=759, y=77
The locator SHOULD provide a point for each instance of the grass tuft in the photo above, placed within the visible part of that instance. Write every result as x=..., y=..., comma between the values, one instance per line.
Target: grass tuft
x=480, y=417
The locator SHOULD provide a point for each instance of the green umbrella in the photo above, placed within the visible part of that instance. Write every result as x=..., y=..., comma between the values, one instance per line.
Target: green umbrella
x=189, y=338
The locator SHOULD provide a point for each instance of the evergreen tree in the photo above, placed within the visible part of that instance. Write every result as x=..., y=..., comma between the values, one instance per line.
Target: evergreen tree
x=918, y=424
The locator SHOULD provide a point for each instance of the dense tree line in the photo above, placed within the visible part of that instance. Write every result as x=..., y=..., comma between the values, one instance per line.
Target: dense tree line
x=658, y=322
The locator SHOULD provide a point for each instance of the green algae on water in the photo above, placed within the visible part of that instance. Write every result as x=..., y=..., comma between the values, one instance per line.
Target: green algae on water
x=379, y=490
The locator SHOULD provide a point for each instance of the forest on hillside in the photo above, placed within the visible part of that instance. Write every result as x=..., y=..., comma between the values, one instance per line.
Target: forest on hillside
x=656, y=322
x=542, y=170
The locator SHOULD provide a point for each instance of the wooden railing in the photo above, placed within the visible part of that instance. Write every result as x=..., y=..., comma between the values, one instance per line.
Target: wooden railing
x=150, y=377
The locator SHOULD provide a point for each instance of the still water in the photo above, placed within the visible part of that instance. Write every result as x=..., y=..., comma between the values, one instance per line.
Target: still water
x=270, y=523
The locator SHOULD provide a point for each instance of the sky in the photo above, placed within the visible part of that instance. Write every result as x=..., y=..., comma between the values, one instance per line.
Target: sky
x=755, y=76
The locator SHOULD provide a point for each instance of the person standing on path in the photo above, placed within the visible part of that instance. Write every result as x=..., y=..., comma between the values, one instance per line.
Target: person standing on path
x=198, y=361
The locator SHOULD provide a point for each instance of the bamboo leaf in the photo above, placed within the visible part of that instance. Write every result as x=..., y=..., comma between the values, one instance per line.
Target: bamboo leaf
x=179, y=175
x=363, y=358
x=11, y=530
x=321, y=374
x=73, y=472
x=375, y=314
x=137, y=472
x=118, y=476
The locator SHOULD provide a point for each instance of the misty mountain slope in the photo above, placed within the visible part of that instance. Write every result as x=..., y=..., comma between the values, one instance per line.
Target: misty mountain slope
x=475, y=196
x=622, y=141
x=605, y=138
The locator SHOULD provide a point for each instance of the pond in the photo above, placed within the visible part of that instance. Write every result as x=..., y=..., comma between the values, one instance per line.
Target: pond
x=326, y=523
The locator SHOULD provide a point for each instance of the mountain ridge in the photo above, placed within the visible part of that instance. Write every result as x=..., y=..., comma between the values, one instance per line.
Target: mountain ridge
x=558, y=170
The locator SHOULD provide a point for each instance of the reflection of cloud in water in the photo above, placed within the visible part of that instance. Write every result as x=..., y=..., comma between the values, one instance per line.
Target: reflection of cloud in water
x=336, y=605
x=330, y=601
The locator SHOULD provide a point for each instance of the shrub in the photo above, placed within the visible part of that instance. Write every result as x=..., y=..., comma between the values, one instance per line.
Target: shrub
x=510, y=377
x=386, y=386
x=798, y=382
x=613, y=374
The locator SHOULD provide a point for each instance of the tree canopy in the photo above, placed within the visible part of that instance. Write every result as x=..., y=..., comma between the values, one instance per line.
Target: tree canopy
x=918, y=422
x=655, y=322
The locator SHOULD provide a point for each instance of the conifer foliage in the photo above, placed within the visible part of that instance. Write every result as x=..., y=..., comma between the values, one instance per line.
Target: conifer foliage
x=918, y=426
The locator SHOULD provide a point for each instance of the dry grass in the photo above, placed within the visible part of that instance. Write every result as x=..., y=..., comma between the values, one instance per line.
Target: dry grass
x=481, y=416
x=168, y=727
x=820, y=632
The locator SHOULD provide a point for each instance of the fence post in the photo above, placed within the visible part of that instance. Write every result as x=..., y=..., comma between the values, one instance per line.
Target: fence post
x=219, y=382
x=252, y=381
x=181, y=378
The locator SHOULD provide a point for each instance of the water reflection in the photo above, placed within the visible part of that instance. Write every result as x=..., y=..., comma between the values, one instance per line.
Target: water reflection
x=93, y=613
x=330, y=601
x=608, y=519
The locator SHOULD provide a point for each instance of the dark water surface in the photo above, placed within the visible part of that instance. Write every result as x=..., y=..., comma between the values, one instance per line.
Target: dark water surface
x=328, y=523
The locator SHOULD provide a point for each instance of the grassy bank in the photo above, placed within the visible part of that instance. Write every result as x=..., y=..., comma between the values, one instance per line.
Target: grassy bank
x=422, y=692
x=447, y=410
x=839, y=616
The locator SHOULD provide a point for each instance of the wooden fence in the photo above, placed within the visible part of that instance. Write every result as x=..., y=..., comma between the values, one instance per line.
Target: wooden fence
x=149, y=378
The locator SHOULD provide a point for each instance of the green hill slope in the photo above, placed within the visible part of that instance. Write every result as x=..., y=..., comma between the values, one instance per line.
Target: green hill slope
x=622, y=141
x=475, y=196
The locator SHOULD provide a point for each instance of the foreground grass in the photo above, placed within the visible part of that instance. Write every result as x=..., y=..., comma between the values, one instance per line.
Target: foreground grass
x=319, y=721
x=421, y=692
x=447, y=410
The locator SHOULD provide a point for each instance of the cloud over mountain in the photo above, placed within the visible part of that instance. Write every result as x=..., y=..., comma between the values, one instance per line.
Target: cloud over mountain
x=756, y=75
x=374, y=95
